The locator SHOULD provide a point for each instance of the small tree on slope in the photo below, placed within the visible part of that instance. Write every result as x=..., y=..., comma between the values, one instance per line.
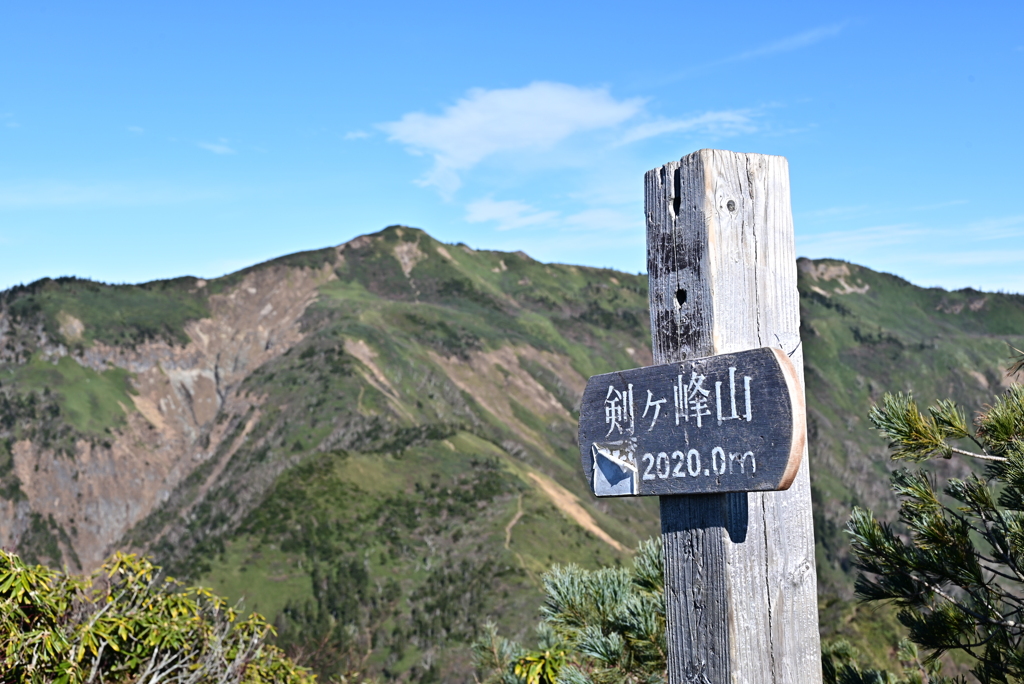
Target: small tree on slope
x=603, y=626
x=955, y=565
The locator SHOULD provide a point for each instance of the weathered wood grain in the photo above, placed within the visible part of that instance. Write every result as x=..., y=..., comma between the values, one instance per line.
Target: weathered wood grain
x=726, y=423
x=723, y=279
x=696, y=600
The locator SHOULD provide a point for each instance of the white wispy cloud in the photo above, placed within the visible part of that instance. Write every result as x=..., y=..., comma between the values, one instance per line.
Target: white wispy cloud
x=981, y=254
x=356, y=135
x=722, y=124
x=938, y=205
x=9, y=121
x=604, y=219
x=137, y=130
x=833, y=212
x=841, y=243
x=219, y=147
x=507, y=214
x=863, y=211
x=929, y=244
x=487, y=122
x=59, y=194
x=1001, y=228
x=511, y=214
x=976, y=257
x=788, y=44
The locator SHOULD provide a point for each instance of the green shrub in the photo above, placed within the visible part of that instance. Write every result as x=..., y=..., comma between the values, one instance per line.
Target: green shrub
x=603, y=626
x=125, y=623
x=954, y=562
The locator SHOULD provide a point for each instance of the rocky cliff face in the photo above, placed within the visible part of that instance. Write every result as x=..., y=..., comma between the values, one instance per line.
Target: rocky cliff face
x=172, y=409
x=89, y=496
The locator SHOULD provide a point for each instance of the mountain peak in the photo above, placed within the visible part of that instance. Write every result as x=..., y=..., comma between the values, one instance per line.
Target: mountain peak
x=387, y=427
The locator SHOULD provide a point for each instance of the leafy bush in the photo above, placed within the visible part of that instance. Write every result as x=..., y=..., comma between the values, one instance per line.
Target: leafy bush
x=126, y=624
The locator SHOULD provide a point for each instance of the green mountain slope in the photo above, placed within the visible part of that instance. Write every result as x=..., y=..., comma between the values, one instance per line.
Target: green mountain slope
x=404, y=465
x=374, y=444
x=866, y=333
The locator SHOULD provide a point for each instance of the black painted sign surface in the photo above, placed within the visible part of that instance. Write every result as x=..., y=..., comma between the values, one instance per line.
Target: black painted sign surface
x=727, y=423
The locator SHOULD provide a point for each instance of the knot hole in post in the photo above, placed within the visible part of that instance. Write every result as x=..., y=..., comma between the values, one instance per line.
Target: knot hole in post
x=680, y=298
x=677, y=193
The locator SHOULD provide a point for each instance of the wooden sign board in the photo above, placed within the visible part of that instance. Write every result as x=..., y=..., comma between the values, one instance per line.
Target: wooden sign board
x=728, y=423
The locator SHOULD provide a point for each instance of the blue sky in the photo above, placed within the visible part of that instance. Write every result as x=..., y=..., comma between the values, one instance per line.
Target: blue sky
x=150, y=140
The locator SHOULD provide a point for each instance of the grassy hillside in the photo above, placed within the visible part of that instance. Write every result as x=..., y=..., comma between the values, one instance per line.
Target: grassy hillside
x=433, y=396
x=404, y=467
x=408, y=470
x=76, y=312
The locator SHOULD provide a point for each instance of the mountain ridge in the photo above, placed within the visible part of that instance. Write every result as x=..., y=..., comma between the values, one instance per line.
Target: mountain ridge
x=382, y=434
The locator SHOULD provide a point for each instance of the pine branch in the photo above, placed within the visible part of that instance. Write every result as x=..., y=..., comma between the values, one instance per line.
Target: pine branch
x=1002, y=622
x=1002, y=557
x=983, y=457
x=1018, y=365
x=935, y=588
x=1012, y=578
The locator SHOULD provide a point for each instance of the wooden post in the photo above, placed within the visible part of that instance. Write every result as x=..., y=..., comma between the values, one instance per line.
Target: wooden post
x=741, y=591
